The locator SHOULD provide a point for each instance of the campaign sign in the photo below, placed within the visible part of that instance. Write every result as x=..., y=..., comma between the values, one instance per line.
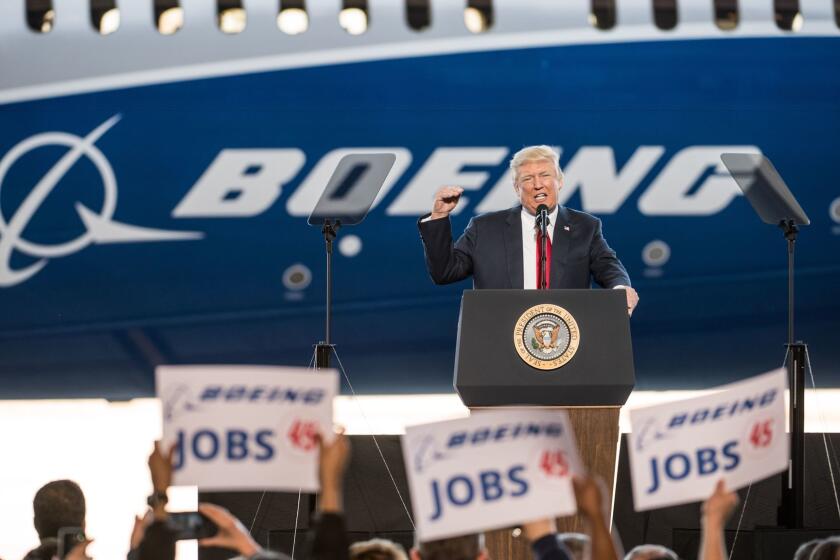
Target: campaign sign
x=246, y=427
x=491, y=470
x=679, y=450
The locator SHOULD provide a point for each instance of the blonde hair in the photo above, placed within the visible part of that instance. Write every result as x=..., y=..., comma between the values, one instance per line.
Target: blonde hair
x=377, y=549
x=535, y=153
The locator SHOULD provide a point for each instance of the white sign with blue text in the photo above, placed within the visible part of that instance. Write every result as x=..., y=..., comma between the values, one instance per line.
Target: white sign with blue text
x=491, y=470
x=246, y=427
x=679, y=450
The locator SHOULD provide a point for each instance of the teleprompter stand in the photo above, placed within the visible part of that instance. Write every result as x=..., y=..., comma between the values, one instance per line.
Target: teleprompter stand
x=345, y=201
x=775, y=204
x=324, y=348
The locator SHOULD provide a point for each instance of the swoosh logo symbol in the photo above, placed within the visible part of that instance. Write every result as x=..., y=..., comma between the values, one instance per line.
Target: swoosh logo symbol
x=100, y=227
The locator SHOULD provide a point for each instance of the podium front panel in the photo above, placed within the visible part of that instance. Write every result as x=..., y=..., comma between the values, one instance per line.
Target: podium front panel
x=489, y=370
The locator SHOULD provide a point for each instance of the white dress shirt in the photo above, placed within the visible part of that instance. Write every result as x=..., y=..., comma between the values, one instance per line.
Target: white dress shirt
x=529, y=246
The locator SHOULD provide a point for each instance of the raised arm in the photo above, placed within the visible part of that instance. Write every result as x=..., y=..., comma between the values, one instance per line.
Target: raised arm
x=590, y=495
x=329, y=541
x=715, y=513
x=446, y=261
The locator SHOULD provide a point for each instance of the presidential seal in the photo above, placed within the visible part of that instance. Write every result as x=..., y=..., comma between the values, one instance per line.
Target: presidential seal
x=546, y=336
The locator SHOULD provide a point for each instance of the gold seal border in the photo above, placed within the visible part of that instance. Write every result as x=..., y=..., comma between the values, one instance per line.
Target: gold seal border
x=562, y=359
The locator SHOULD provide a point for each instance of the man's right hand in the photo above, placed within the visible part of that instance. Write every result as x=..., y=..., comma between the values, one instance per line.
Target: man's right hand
x=446, y=199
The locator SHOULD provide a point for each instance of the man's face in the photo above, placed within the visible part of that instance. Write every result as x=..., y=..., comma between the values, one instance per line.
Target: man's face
x=537, y=184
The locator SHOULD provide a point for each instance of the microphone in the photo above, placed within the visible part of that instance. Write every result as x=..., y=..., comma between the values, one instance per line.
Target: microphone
x=542, y=222
x=542, y=219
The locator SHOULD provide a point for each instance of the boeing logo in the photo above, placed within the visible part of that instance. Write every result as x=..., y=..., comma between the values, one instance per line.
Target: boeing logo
x=178, y=400
x=242, y=183
x=649, y=434
x=426, y=452
x=652, y=431
x=99, y=226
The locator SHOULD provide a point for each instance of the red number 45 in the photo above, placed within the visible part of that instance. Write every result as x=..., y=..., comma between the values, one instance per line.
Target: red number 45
x=554, y=463
x=761, y=434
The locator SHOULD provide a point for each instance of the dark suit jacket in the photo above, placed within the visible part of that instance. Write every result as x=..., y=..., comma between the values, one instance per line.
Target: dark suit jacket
x=490, y=250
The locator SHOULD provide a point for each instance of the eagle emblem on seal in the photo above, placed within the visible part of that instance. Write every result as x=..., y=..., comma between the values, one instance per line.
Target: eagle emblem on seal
x=546, y=336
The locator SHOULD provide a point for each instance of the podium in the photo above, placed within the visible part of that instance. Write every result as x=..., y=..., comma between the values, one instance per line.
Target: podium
x=566, y=349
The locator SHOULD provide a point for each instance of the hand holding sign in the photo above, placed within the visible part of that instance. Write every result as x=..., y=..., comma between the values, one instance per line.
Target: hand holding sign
x=720, y=505
x=716, y=511
x=160, y=467
x=332, y=462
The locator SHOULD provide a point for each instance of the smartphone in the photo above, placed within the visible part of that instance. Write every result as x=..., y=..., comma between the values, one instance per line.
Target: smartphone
x=68, y=538
x=189, y=525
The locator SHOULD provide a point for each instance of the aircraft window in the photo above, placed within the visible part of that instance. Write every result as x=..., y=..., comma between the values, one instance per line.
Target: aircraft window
x=665, y=14
x=418, y=14
x=40, y=15
x=293, y=18
x=169, y=16
x=837, y=12
x=353, y=17
x=478, y=15
x=105, y=16
x=230, y=16
x=726, y=14
x=788, y=16
x=602, y=14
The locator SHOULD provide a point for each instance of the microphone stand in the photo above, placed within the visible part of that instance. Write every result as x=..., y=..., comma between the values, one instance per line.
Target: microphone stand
x=542, y=219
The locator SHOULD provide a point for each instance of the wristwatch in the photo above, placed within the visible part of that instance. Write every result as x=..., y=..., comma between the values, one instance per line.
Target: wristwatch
x=157, y=499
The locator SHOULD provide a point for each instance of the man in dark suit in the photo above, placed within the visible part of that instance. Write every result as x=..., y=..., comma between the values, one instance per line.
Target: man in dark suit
x=500, y=249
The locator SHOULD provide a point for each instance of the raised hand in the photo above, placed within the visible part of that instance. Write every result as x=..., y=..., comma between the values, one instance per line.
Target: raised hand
x=590, y=494
x=446, y=199
x=716, y=511
x=232, y=534
x=720, y=505
x=139, y=530
x=592, y=498
x=160, y=467
x=332, y=462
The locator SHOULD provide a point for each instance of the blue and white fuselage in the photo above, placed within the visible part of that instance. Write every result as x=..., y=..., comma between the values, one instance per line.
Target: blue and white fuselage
x=154, y=189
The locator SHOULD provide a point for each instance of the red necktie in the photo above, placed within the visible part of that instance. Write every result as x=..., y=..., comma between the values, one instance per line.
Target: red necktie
x=547, y=260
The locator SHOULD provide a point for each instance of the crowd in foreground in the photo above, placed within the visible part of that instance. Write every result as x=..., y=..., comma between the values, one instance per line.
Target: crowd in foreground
x=59, y=509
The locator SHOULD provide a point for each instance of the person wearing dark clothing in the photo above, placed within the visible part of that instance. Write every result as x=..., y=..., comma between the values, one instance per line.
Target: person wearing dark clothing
x=549, y=547
x=328, y=539
x=57, y=504
x=157, y=541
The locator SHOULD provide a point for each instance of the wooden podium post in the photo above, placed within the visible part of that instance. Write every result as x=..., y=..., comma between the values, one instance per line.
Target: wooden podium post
x=591, y=385
x=597, y=434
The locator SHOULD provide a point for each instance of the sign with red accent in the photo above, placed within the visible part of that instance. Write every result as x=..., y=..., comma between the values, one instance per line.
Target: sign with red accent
x=679, y=450
x=246, y=427
x=483, y=472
